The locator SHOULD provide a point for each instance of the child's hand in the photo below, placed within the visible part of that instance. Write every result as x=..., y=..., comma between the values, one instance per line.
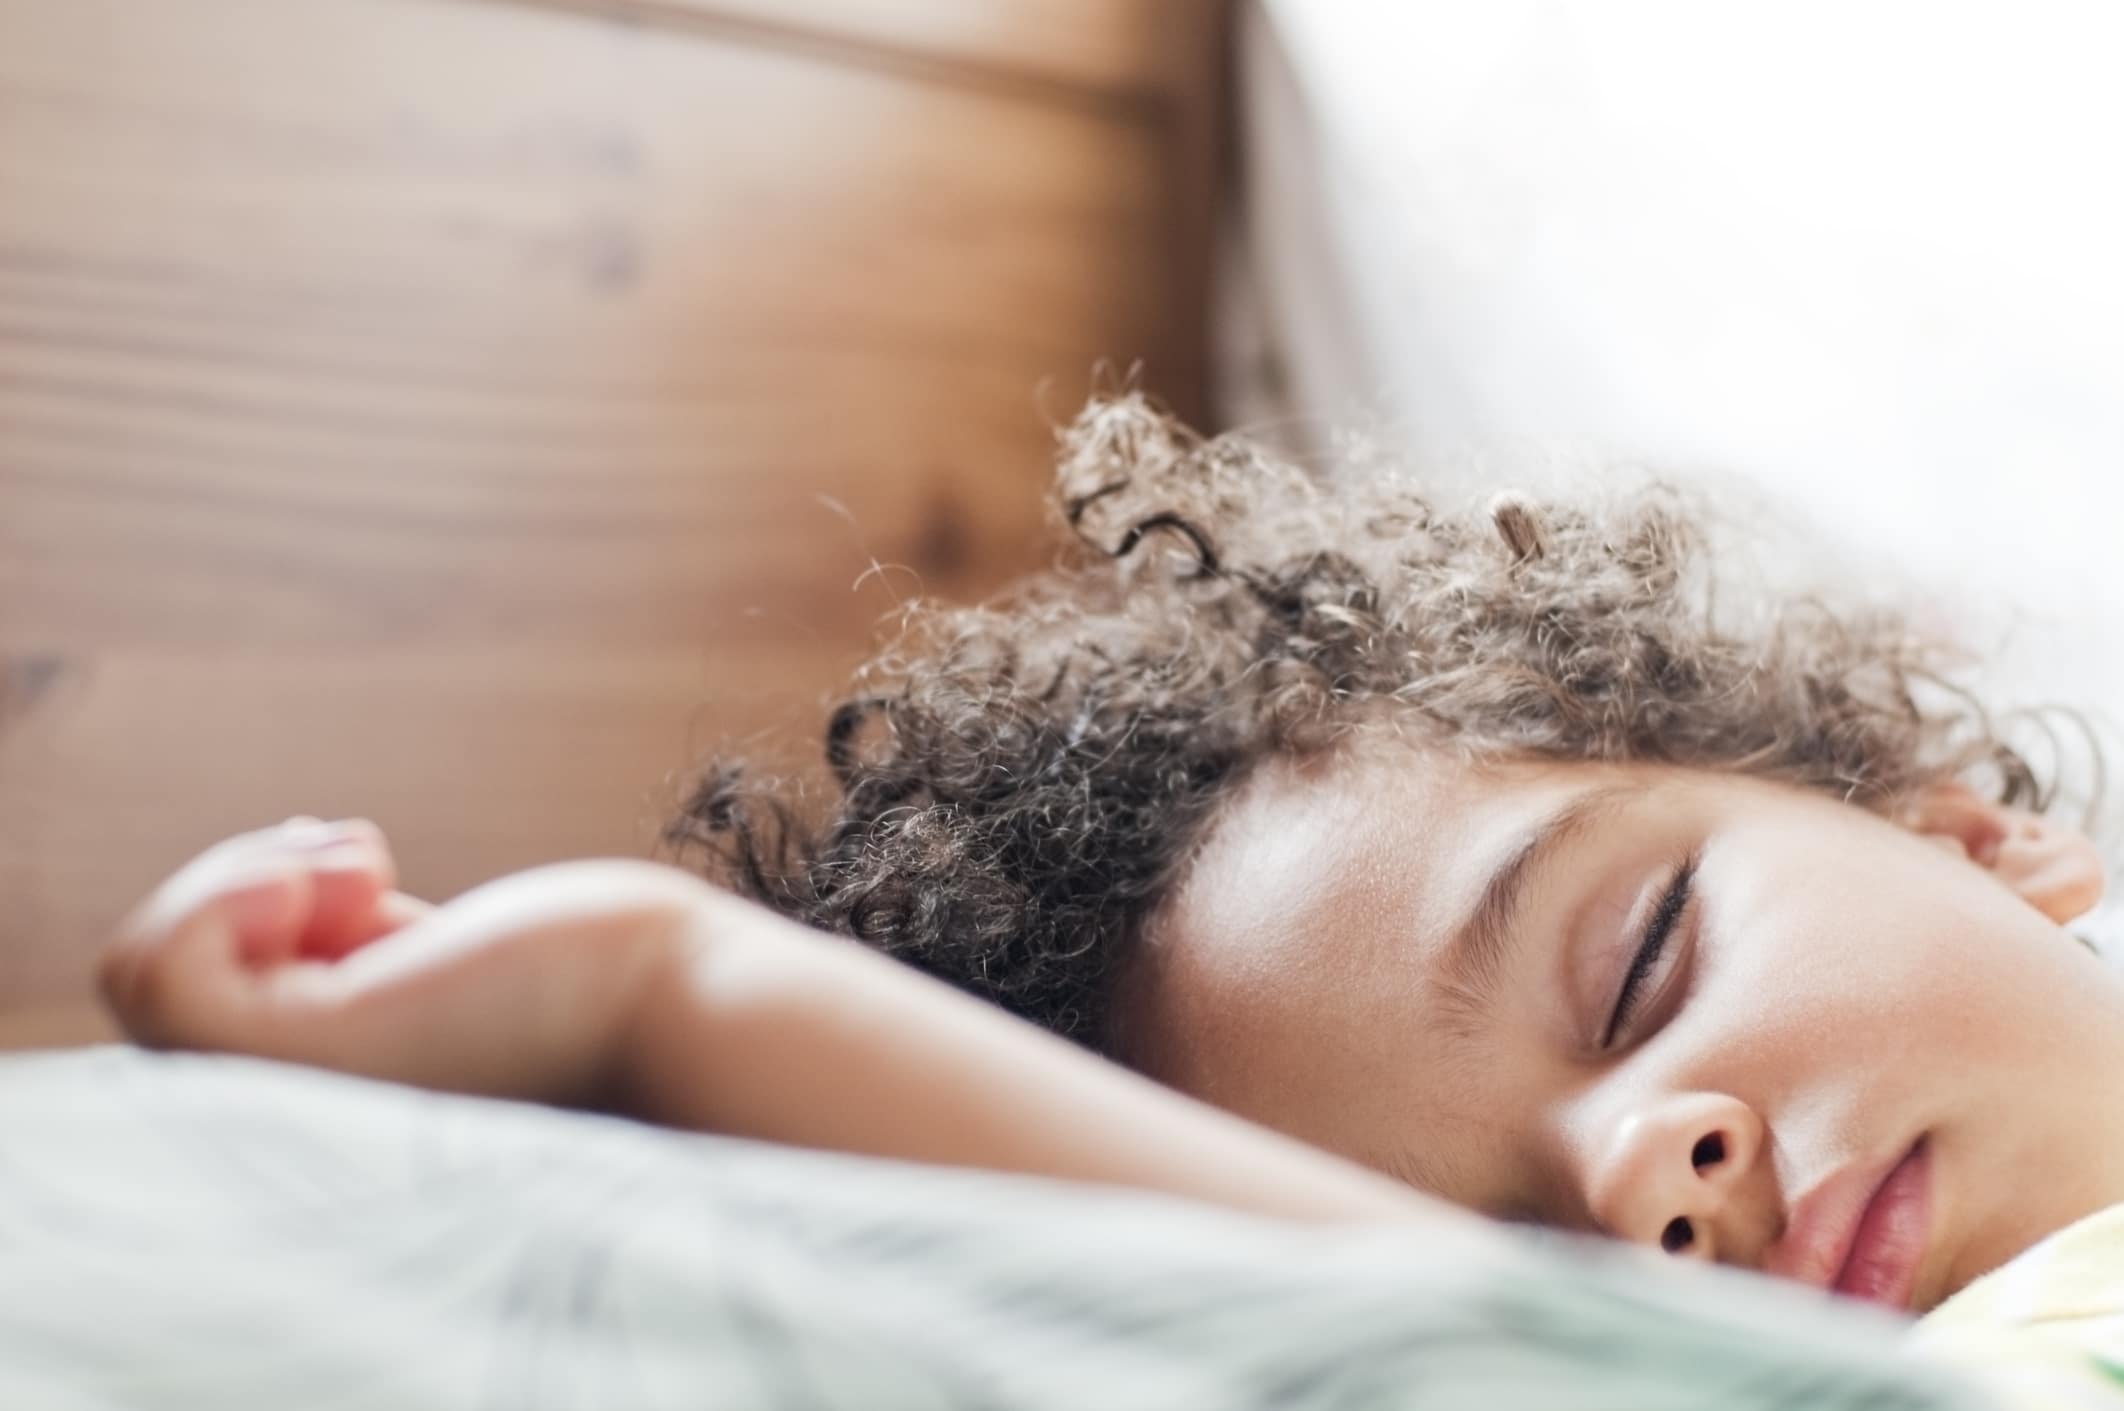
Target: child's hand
x=292, y=943
x=305, y=890
x=641, y=987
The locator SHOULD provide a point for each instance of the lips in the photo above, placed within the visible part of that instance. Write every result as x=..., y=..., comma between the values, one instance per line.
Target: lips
x=1862, y=1232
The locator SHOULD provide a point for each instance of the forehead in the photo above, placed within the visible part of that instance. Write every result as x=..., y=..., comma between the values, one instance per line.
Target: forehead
x=1335, y=842
x=1301, y=937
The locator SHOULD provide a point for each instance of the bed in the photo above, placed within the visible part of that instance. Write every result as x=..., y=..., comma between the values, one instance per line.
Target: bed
x=181, y=1232
x=206, y=1232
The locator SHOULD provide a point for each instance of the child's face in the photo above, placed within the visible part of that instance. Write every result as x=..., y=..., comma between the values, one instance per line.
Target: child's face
x=1859, y=1039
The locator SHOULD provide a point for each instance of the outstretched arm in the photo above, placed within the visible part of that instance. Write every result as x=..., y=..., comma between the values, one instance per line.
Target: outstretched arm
x=643, y=989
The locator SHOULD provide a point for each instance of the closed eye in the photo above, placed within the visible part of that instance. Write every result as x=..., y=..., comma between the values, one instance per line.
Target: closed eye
x=1659, y=929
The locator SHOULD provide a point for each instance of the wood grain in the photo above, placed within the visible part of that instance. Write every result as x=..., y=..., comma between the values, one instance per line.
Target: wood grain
x=1111, y=47
x=476, y=761
x=460, y=413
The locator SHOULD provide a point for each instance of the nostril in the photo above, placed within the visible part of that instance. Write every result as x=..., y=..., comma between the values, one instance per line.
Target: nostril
x=1708, y=1151
x=1677, y=1236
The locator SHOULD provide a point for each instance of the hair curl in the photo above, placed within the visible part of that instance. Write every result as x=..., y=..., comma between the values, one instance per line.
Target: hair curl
x=1020, y=784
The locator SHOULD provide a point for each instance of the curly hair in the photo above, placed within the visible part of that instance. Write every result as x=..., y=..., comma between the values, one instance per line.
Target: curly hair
x=1020, y=784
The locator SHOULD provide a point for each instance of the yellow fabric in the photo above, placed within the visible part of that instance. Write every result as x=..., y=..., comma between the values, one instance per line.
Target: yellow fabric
x=2046, y=1332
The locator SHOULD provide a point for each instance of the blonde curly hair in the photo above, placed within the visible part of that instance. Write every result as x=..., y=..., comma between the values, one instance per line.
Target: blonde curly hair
x=1019, y=785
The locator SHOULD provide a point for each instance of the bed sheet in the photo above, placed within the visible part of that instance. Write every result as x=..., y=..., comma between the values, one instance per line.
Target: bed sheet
x=201, y=1232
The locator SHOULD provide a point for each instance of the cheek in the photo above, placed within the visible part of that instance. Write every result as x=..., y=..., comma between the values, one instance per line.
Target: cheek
x=1870, y=976
x=1799, y=984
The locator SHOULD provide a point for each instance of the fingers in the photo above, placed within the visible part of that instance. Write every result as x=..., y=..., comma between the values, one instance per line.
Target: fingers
x=178, y=967
x=187, y=962
x=393, y=911
x=308, y=890
x=351, y=871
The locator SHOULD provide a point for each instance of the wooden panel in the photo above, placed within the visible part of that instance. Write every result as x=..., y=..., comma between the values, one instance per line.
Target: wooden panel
x=1166, y=62
x=1111, y=46
x=426, y=409
x=476, y=761
x=56, y=1026
x=438, y=347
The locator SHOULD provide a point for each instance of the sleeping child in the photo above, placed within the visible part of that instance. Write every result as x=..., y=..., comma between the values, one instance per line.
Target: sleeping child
x=1369, y=856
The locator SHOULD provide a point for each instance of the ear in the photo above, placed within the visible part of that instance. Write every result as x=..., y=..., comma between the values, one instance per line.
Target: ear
x=2053, y=867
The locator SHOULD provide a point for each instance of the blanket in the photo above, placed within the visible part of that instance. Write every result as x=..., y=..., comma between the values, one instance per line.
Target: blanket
x=184, y=1232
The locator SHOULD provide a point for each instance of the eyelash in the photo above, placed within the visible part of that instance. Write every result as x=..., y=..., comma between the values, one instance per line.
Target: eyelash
x=1666, y=917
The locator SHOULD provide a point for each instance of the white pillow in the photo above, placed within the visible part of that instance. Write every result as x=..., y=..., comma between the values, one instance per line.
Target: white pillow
x=1862, y=260
x=1866, y=256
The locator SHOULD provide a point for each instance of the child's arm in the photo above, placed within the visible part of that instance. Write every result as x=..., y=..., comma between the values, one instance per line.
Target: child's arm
x=639, y=987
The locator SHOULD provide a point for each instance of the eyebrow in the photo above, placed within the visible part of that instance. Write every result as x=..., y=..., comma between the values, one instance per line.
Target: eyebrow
x=1473, y=961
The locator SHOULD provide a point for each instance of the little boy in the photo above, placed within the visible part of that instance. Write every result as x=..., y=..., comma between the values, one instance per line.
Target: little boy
x=1485, y=856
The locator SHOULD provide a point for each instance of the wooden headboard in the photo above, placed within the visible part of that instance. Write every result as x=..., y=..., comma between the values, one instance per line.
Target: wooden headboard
x=464, y=412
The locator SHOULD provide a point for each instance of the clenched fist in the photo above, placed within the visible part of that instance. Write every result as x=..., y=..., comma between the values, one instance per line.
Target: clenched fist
x=293, y=943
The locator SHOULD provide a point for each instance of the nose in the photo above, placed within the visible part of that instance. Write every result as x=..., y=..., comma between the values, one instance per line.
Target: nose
x=1674, y=1172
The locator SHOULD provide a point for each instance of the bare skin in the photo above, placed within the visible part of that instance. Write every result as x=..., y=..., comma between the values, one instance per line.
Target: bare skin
x=1834, y=989
x=639, y=988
